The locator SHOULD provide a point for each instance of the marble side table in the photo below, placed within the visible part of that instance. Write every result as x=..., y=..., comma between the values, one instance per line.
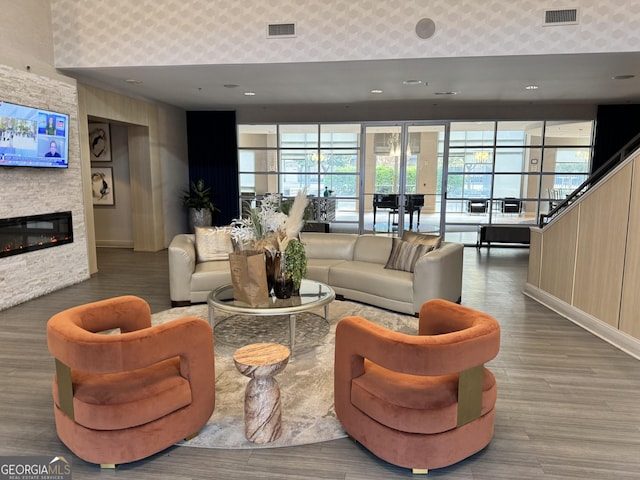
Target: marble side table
x=262, y=412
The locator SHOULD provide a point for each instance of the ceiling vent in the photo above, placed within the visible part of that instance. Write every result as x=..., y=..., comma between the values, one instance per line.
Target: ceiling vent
x=280, y=30
x=567, y=16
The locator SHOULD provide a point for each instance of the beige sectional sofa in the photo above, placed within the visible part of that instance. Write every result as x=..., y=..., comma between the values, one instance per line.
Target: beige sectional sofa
x=354, y=265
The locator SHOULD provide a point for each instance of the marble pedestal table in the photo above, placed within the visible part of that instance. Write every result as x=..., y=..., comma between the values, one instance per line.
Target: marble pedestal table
x=262, y=412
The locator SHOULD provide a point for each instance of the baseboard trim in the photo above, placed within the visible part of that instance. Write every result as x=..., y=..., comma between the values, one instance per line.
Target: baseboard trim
x=114, y=244
x=606, y=332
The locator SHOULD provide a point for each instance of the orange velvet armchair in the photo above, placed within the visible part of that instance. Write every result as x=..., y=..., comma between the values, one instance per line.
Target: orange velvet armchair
x=125, y=395
x=418, y=401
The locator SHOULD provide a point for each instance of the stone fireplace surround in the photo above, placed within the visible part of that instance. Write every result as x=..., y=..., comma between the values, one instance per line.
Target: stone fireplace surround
x=36, y=191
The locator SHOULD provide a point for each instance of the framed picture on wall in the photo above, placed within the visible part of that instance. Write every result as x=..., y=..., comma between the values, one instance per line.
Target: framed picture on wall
x=99, y=142
x=102, y=186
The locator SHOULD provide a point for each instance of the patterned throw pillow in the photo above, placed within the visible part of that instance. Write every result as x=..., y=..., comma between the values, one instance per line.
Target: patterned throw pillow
x=432, y=240
x=404, y=255
x=213, y=243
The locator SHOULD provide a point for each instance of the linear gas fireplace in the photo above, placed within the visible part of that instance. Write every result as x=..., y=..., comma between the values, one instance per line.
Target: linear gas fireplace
x=26, y=234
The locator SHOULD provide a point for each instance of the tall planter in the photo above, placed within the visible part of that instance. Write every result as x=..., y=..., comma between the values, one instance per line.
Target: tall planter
x=199, y=218
x=200, y=207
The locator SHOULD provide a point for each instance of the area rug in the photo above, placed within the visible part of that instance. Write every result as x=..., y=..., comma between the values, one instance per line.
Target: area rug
x=306, y=384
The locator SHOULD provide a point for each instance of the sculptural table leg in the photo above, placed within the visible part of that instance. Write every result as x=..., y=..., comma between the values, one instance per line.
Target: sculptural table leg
x=262, y=413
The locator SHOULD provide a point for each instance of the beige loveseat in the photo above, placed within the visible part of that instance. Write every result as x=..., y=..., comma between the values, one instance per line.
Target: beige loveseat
x=354, y=265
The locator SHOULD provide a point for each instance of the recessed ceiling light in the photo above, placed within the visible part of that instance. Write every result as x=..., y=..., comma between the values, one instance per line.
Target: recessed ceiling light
x=412, y=82
x=623, y=77
x=377, y=91
x=531, y=87
x=249, y=94
x=445, y=93
x=133, y=81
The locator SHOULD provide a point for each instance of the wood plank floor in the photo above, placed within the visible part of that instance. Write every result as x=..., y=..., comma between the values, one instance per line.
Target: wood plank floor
x=568, y=403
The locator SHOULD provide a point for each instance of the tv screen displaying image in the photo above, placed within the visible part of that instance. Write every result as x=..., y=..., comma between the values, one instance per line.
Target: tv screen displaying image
x=32, y=137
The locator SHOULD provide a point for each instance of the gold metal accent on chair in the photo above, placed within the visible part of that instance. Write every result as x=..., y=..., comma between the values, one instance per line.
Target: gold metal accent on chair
x=470, y=394
x=65, y=388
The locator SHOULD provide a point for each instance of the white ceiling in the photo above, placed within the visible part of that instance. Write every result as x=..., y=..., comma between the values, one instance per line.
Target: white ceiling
x=562, y=79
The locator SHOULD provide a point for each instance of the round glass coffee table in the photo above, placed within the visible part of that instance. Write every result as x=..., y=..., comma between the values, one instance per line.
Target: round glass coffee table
x=312, y=294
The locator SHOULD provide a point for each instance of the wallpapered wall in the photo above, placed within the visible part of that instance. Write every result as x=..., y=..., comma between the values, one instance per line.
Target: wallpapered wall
x=169, y=32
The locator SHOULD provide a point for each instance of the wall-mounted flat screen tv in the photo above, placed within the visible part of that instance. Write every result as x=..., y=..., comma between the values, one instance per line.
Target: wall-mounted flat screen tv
x=32, y=137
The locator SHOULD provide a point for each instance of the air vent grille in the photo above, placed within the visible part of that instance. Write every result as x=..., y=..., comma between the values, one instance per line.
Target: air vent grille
x=561, y=17
x=279, y=30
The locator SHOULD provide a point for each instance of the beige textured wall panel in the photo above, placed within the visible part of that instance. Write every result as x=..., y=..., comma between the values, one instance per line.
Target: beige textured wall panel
x=535, y=256
x=192, y=32
x=601, y=246
x=113, y=106
x=85, y=160
x=558, y=256
x=144, y=160
x=630, y=305
x=146, y=191
x=174, y=168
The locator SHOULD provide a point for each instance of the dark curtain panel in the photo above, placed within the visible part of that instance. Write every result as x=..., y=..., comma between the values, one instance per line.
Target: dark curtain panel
x=213, y=156
x=615, y=126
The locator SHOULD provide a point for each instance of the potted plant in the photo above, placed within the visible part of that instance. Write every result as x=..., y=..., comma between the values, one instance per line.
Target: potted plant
x=295, y=260
x=198, y=200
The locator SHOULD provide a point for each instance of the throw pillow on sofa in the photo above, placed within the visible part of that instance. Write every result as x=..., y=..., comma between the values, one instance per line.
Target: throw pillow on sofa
x=425, y=239
x=213, y=243
x=404, y=255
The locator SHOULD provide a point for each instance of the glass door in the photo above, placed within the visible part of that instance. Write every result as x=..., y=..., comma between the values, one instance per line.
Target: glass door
x=402, y=181
x=381, y=166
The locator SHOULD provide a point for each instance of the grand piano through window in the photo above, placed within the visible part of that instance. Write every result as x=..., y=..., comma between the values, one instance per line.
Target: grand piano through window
x=413, y=202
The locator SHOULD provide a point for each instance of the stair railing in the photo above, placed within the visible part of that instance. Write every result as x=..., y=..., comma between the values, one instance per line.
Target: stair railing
x=594, y=178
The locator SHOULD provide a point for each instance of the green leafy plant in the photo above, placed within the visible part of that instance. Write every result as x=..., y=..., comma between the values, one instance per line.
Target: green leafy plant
x=295, y=259
x=198, y=197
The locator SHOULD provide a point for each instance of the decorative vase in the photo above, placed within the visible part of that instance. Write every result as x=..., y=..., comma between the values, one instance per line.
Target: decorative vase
x=283, y=283
x=283, y=287
x=199, y=218
x=270, y=267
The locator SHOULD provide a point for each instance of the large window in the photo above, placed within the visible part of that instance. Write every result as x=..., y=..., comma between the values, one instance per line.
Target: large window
x=319, y=159
x=466, y=173
x=511, y=172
